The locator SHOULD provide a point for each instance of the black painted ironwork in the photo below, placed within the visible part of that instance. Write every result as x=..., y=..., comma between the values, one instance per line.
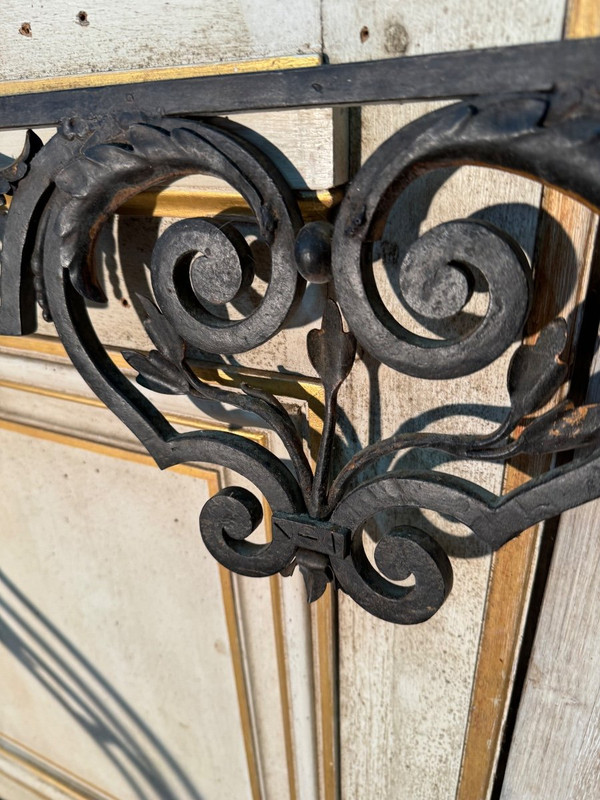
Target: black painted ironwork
x=534, y=109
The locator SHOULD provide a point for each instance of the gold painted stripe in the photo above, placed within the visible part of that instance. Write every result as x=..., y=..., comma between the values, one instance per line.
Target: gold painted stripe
x=50, y=347
x=174, y=202
x=174, y=419
x=113, y=451
x=583, y=19
x=309, y=390
x=299, y=387
x=241, y=682
x=324, y=627
x=324, y=635
x=20, y=783
x=34, y=763
x=282, y=672
x=211, y=477
x=59, y=83
x=186, y=203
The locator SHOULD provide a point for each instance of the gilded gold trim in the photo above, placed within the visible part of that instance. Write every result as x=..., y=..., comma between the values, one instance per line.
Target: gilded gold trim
x=99, y=448
x=323, y=629
x=282, y=674
x=59, y=83
x=174, y=419
x=20, y=783
x=582, y=19
x=324, y=649
x=185, y=203
x=48, y=347
x=309, y=390
x=174, y=202
x=241, y=682
x=35, y=765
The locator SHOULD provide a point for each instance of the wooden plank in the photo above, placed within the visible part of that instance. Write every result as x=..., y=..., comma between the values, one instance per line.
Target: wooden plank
x=514, y=565
x=565, y=242
x=55, y=83
x=555, y=749
x=405, y=693
x=266, y=723
x=261, y=624
x=48, y=39
x=96, y=693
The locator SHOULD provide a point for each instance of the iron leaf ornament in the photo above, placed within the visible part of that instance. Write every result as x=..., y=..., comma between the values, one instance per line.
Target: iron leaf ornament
x=534, y=110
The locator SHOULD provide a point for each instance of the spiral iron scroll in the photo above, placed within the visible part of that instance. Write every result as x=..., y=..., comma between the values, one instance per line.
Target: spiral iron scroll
x=64, y=193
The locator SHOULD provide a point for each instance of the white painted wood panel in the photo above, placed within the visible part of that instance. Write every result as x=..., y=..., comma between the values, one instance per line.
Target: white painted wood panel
x=158, y=33
x=28, y=776
x=405, y=692
x=555, y=748
x=274, y=714
x=307, y=145
x=116, y=654
x=42, y=407
x=413, y=27
x=310, y=149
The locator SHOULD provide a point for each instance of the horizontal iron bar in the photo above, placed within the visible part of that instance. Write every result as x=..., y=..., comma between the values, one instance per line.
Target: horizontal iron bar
x=537, y=67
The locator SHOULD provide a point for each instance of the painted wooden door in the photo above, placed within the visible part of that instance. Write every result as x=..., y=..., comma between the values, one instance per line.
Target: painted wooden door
x=132, y=665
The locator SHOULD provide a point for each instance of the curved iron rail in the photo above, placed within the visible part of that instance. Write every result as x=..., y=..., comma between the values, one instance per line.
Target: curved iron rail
x=534, y=109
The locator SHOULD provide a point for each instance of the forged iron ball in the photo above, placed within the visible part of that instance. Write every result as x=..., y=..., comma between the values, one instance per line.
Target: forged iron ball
x=313, y=252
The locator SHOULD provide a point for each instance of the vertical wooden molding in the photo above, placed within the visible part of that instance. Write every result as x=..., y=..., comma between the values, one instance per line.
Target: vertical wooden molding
x=555, y=746
x=241, y=681
x=583, y=19
x=323, y=623
x=324, y=640
x=564, y=245
x=282, y=674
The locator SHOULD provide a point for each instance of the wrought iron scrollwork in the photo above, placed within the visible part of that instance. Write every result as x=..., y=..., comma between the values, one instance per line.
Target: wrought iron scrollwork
x=65, y=191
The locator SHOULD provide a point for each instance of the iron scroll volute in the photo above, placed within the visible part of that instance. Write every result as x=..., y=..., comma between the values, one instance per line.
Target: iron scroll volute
x=64, y=192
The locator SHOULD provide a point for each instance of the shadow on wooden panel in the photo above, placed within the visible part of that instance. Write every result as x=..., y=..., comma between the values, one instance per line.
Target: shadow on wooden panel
x=136, y=752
